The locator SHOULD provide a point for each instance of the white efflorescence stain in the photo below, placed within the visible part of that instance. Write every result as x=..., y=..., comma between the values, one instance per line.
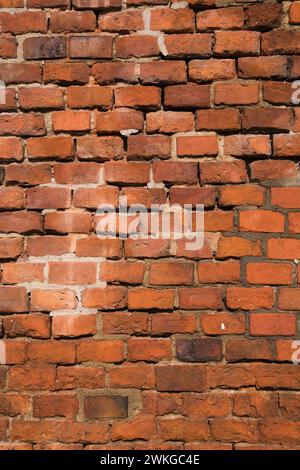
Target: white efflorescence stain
x=222, y=326
x=2, y=352
x=2, y=92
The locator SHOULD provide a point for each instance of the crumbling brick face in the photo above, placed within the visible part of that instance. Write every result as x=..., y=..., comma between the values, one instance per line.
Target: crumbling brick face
x=145, y=343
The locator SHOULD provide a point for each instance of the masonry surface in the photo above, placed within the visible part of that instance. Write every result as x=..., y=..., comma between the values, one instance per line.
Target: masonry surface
x=143, y=344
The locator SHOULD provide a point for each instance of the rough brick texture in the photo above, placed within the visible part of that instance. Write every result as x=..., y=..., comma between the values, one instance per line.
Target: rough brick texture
x=114, y=343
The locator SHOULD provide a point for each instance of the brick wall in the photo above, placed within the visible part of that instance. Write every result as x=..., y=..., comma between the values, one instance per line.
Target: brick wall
x=129, y=343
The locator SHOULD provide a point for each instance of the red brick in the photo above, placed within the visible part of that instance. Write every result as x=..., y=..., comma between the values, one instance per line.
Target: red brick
x=286, y=145
x=175, y=172
x=272, y=324
x=89, y=97
x=145, y=196
x=136, y=46
x=20, y=125
x=146, y=146
x=47, y=300
x=111, y=72
x=237, y=42
x=139, y=427
x=122, y=271
x=248, y=350
x=100, y=351
x=250, y=298
x=94, y=197
x=95, y=47
x=172, y=20
x=269, y=273
x=31, y=377
x=49, y=406
x=8, y=46
x=125, y=323
x=277, y=92
x=41, y=97
x=294, y=13
x=200, y=298
x=255, y=404
x=198, y=349
x=171, y=273
x=247, y=145
x=294, y=222
x=110, y=298
x=12, y=198
x=73, y=325
x=225, y=271
x=71, y=377
x=193, y=195
x=49, y=245
x=280, y=430
x=234, y=430
x=267, y=119
x=119, y=120
x=122, y=21
x=128, y=173
x=283, y=248
x=48, y=198
x=10, y=247
x=139, y=375
x=240, y=195
x=289, y=298
x=100, y=148
x=33, y=325
x=72, y=21
x=146, y=248
x=264, y=67
x=52, y=47
x=194, y=146
x=15, y=273
x=169, y=122
x=184, y=429
x=243, y=93
x=177, y=378
x=190, y=95
x=70, y=121
x=13, y=404
x=147, y=298
x=20, y=73
x=280, y=41
x=273, y=169
x=237, y=247
x=102, y=4
x=76, y=173
x=211, y=69
x=218, y=119
x=94, y=246
x=179, y=45
x=222, y=323
x=163, y=72
x=162, y=323
x=68, y=222
x=225, y=18
x=11, y=148
x=66, y=73
x=50, y=147
x=71, y=273
x=151, y=350
x=223, y=172
x=20, y=222
x=261, y=221
x=263, y=16
x=28, y=174
x=106, y=406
